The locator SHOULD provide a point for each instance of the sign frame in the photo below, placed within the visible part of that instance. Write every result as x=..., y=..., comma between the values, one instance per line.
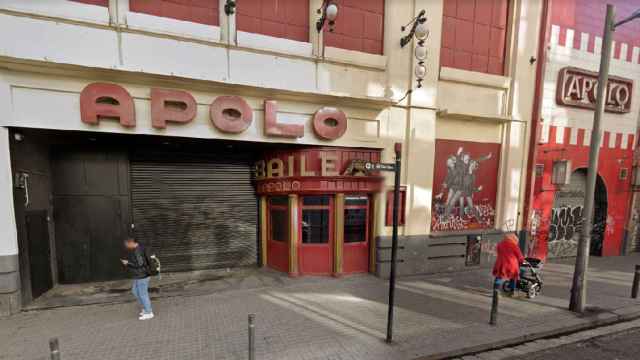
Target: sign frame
x=569, y=75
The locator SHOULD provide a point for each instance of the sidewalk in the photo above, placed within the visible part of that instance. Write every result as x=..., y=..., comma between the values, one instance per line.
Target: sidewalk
x=325, y=318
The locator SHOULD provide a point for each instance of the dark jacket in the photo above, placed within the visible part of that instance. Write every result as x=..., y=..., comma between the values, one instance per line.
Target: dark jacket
x=138, y=265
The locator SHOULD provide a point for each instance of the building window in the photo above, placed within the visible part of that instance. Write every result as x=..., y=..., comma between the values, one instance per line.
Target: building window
x=359, y=27
x=288, y=19
x=279, y=218
x=474, y=35
x=197, y=11
x=104, y=3
x=356, y=214
x=389, y=212
x=316, y=212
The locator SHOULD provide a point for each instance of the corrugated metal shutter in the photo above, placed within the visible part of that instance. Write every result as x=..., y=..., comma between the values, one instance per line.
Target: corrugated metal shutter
x=195, y=211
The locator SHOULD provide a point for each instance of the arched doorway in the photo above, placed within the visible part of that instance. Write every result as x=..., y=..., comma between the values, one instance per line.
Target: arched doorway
x=567, y=217
x=599, y=218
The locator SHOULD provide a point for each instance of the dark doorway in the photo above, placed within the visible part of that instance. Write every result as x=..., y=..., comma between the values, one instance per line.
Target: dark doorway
x=40, y=260
x=599, y=218
x=566, y=223
x=91, y=212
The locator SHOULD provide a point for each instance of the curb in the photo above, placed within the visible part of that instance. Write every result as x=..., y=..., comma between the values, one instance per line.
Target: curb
x=590, y=322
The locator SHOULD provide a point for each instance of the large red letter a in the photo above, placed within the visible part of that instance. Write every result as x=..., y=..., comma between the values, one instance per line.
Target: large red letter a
x=110, y=101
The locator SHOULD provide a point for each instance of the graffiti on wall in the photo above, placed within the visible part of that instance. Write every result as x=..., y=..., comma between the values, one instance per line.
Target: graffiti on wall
x=564, y=230
x=465, y=182
x=566, y=218
x=566, y=221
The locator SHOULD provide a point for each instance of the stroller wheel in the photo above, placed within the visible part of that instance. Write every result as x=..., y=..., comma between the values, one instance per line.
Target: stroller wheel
x=533, y=290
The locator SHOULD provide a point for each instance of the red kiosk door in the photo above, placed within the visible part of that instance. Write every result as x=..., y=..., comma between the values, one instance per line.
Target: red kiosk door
x=316, y=235
x=278, y=233
x=356, y=234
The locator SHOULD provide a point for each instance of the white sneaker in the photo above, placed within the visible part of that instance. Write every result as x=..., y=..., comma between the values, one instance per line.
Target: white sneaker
x=146, y=316
x=141, y=313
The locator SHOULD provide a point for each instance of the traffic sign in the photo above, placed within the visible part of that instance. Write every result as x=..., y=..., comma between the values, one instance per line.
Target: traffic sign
x=370, y=166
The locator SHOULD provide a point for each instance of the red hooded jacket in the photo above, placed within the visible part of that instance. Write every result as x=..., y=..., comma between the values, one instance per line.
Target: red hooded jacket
x=509, y=258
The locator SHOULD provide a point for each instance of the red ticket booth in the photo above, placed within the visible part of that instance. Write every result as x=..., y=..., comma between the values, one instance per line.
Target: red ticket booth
x=317, y=209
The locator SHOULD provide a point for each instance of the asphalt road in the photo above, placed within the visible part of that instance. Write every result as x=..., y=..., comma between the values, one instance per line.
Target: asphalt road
x=620, y=346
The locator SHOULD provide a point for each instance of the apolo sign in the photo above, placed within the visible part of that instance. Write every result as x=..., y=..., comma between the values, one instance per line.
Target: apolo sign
x=577, y=87
x=229, y=114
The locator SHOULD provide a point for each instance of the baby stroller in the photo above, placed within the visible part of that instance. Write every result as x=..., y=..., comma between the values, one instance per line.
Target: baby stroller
x=530, y=279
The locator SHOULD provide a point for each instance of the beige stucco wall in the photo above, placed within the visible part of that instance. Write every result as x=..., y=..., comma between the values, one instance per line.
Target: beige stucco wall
x=65, y=45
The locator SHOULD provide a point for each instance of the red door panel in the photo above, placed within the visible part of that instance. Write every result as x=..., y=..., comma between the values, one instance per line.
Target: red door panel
x=355, y=251
x=316, y=235
x=278, y=233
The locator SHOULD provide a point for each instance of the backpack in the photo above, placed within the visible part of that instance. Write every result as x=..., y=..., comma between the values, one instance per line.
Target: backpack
x=153, y=264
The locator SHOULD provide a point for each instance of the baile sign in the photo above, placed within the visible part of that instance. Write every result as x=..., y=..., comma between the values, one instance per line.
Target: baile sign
x=578, y=88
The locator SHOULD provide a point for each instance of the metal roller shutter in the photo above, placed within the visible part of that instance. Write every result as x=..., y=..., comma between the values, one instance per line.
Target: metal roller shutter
x=195, y=211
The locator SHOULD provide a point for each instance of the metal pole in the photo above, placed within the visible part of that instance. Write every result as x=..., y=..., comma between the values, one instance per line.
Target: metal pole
x=54, y=346
x=394, y=242
x=252, y=337
x=636, y=283
x=579, y=286
x=494, y=304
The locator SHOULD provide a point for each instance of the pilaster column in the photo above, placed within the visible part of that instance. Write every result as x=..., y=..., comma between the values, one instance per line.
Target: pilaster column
x=227, y=24
x=118, y=10
x=263, y=231
x=338, y=231
x=9, y=271
x=315, y=37
x=374, y=232
x=293, y=235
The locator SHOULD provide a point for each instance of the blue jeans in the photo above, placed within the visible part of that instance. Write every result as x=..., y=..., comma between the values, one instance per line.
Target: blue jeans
x=498, y=283
x=140, y=290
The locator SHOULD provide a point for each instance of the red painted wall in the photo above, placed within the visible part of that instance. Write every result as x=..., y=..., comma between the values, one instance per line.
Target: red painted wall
x=288, y=19
x=474, y=35
x=359, y=26
x=484, y=199
x=618, y=191
x=94, y=2
x=588, y=16
x=198, y=11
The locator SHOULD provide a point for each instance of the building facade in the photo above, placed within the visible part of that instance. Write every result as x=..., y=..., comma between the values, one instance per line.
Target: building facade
x=571, y=53
x=225, y=136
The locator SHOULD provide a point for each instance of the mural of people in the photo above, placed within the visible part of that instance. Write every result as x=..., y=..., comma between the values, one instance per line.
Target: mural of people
x=456, y=205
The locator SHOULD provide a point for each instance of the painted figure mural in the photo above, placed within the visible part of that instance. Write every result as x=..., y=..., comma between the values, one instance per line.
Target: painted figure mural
x=465, y=185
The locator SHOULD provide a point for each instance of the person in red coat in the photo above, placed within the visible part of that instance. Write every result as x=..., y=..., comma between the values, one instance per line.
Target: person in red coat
x=509, y=258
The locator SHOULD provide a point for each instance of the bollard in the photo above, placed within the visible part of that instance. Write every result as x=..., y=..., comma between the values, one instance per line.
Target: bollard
x=55, y=349
x=252, y=337
x=636, y=283
x=494, y=304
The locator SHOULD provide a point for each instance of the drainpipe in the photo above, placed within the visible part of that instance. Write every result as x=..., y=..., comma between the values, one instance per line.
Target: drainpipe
x=534, y=133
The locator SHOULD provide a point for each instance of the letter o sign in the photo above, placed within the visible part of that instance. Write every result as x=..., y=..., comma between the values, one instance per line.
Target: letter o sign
x=231, y=114
x=329, y=123
x=622, y=96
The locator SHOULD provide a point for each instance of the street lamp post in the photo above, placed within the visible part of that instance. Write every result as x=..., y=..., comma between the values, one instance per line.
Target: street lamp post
x=579, y=286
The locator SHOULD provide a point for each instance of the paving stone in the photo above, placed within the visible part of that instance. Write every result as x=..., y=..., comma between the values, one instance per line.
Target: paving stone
x=316, y=318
